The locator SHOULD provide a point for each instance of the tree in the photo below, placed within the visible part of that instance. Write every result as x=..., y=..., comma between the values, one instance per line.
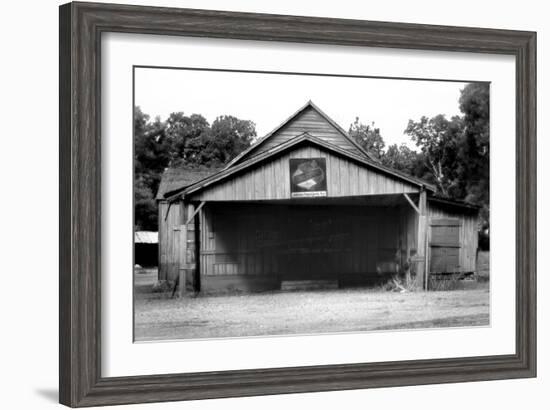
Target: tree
x=145, y=207
x=456, y=151
x=368, y=137
x=474, y=146
x=151, y=156
x=228, y=137
x=152, y=152
x=186, y=136
x=400, y=157
x=181, y=140
x=438, y=139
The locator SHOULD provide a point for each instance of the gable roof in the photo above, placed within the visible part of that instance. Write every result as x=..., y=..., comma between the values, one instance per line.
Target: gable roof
x=305, y=137
x=178, y=178
x=337, y=130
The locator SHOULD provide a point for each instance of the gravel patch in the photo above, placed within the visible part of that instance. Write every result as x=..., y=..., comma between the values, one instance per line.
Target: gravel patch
x=157, y=317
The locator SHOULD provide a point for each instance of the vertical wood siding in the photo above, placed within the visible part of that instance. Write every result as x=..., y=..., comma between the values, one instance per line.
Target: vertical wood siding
x=271, y=179
x=467, y=237
x=309, y=121
x=169, y=239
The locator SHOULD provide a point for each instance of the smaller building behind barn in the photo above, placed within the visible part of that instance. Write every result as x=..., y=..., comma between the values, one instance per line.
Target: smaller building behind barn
x=146, y=248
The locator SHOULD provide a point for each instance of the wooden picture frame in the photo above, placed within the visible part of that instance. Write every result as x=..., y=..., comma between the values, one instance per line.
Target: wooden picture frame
x=81, y=27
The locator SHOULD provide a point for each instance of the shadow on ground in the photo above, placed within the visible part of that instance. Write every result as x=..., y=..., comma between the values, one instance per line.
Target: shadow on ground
x=49, y=394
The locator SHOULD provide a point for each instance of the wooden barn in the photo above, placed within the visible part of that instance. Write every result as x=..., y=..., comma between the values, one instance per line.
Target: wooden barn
x=306, y=203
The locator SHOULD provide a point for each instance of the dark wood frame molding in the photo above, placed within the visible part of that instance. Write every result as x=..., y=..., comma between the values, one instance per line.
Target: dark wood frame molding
x=81, y=26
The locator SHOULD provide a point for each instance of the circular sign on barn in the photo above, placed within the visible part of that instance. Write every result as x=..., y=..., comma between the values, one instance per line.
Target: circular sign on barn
x=308, y=177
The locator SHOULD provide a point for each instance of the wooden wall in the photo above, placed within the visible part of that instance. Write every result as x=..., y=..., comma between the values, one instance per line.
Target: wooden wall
x=255, y=246
x=468, y=232
x=309, y=121
x=270, y=180
x=170, y=220
x=270, y=243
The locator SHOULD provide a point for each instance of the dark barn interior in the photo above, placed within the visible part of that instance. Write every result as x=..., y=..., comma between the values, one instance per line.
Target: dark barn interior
x=263, y=246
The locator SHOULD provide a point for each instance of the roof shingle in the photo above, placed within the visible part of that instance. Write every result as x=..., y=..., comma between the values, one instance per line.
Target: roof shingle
x=177, y=178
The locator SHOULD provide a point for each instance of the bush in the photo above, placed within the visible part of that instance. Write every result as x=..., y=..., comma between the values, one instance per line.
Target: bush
x=456, y=281
x=163, y=286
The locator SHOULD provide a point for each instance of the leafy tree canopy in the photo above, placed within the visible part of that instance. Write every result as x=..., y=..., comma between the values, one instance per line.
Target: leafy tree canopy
x=456, y=151
x=452, y=153
x=406, y=160
x=181, y=140
x=438, y=140
x=368, y=136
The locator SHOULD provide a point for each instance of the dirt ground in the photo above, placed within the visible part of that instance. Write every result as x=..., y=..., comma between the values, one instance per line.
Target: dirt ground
x=157, y=317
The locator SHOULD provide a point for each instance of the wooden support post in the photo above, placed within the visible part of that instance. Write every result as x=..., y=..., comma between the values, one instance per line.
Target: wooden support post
x=181, y=282
x=422, y=239
x=408, y=259
x=427, y=250
x=178, y=257
x=189, y=264
x=186, y=262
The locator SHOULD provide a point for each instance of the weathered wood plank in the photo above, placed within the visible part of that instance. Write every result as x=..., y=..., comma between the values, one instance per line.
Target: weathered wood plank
x=446, y=222
x=422, y=268
x=466, y=223
x=307, y=121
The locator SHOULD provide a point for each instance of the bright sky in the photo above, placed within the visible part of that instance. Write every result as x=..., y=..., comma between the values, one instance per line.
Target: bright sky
x=269, y=99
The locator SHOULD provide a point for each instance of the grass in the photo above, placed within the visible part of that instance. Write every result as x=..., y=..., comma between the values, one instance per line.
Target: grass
x=158, y=317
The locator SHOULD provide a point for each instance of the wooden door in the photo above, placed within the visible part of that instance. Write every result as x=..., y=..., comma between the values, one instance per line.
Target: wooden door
x=445, y=245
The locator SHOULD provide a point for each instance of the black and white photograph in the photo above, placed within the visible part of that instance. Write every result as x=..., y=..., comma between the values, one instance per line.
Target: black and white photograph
x=273, y=204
